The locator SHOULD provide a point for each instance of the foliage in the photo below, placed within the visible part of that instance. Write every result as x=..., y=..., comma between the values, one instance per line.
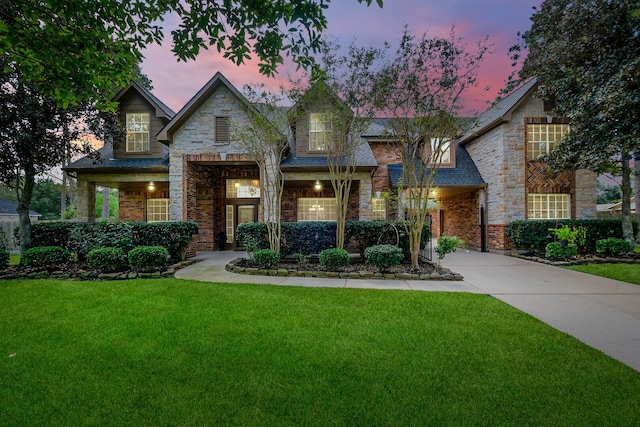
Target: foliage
x=421, y=88
x=557, y=250
x=447, y=245
x=113, y=204
x=36, y=134
x=608, y=193
x=383, y=256
x=565, y=233
x=266, y=258
x=334, y=258
x=534, y=235
x=107, y=260
x=46, y=199
x=586, y=56
x=302, y=259
x=148, y=258
x=99, y=42
x=85, y=237
x=4, y=258
x=613, y=246
x=45, y=256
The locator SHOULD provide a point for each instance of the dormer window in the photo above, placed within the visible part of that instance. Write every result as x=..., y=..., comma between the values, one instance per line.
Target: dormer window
x=320, y=129
x=137, y=132
x=441, y=150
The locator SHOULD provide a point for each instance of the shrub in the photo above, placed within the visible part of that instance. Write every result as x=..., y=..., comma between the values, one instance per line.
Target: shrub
x=557, y=251
x=266, y=258
x=45, y=256
x=4, y=259
x=447, y=244
x=107, y=260
x=175, y=236
x=51, y=233
x=613, y=246
x=85, y=237
x=334, y=259
x=383, y=256
x=148, y=258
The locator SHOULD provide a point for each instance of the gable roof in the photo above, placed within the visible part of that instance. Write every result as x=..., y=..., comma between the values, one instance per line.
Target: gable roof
x=500, y=112
x=215, y=83
x=7, y=207
x=161, y=109
x=464, y=174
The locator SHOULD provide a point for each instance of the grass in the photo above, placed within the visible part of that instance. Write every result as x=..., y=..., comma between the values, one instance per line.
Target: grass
x=175, y=352
x=624, y=272
x=14, y=259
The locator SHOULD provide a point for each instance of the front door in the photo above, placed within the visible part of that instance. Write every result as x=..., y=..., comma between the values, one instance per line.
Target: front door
x=236, y=215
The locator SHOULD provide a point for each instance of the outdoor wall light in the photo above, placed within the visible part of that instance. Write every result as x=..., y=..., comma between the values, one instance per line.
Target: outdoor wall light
x=151, y=186
x=317, y=185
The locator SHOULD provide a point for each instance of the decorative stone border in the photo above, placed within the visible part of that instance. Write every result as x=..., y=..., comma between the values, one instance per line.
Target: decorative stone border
x=446, y=274
x=581, y=261
x=94, y=275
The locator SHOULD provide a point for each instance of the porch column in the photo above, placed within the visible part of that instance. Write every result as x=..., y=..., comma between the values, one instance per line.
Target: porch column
x=365, y=193
x=86, y=202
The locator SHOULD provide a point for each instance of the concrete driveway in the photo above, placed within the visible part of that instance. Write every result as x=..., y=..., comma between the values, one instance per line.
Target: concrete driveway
x=602, y=313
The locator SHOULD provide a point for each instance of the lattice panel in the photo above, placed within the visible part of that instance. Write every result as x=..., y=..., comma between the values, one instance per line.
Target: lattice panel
x=541, y=180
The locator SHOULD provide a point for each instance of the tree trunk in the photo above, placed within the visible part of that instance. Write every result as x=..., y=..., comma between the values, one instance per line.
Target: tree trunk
x=105, y=203
x=636, y=168
x=627, y=228
x=24, y=203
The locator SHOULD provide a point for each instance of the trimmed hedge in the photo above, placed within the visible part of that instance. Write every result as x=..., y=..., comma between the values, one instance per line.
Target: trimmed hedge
x=107, y=260
x=266, y=258
x=45, y=256
x=4, y=259
x=613, y=246
x=314, y=237
x=84, y=237
x=334, y=259
x=148, y=258
x=383, y=256
x=533, y=235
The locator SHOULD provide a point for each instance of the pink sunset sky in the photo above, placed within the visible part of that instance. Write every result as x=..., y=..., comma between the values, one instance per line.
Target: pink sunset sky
x=176, y=82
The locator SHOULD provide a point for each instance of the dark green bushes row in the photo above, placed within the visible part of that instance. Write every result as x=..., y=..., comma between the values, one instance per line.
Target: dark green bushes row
x=82, y=238
x=314, y=237
x=534, y=235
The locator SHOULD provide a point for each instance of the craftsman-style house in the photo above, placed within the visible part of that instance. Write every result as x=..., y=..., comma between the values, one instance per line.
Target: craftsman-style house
x=191, y=166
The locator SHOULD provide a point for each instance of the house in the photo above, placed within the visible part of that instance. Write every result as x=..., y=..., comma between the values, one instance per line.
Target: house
x=9, y=212
x=191, y=165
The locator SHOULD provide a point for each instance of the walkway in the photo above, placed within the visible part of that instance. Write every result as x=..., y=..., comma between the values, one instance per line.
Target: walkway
x=602, y=313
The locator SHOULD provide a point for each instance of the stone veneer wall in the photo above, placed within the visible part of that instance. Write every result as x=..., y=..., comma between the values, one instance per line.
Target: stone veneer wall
x=586, y=194
x=462, y=218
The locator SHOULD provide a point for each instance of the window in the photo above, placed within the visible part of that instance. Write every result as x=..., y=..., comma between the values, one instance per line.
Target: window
x=222, y=130
x=320, y=128
x=379, y=209
x=314, y=209
x=157, y=210
x=542, y=139
x=137, y=132
x=243, y=189
x=441, y=149
x=549, y=206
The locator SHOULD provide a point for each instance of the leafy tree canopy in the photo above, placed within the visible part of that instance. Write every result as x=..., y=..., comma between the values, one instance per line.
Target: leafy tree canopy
x=77, y=50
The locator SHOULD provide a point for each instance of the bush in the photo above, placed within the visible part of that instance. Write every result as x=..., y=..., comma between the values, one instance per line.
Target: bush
x=334, y=259
x=107, y=260
x=85, y=237
x=383, y=256
x=175, y=236
x=148, y=258
x=45, y=256
x=613, y=246
x=51, y=234
x=4, y=259
x=534, y=235
x=447, y=244
x=266, y=258
x=557, y=251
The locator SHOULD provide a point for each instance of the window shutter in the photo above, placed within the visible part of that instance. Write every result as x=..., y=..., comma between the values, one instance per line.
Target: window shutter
x=222, y=129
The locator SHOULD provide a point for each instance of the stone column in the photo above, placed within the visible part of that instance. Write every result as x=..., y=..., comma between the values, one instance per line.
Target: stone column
x=86, y=200
x=365, y=193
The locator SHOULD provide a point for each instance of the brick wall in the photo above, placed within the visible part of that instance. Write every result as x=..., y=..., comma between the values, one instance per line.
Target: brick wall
x=301, y=189
x=133, y=203
x=462, y=218
x=385, y=155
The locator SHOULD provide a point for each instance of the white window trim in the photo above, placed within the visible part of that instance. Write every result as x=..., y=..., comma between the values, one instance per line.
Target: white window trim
x=543, y=138
x=133, y=132
x=320, y=127
x=159, y=212
x=545, y=200
x=317, y=209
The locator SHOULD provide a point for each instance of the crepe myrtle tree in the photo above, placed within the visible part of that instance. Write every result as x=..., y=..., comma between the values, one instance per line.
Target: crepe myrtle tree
x=98, y=41
x=421, y=88
x=36, y=134
x=585, y=55
x=262, y=139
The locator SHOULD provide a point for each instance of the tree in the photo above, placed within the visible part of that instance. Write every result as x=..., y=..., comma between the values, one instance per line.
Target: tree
x=421, y=89
x=262, y=140
x=586, y=56
x=46, y=198
x=608, y=193
x=35, y=133
x=98, y=41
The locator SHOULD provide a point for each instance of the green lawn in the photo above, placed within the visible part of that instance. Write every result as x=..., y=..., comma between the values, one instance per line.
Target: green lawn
x=176, y=352
x=625, y=272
